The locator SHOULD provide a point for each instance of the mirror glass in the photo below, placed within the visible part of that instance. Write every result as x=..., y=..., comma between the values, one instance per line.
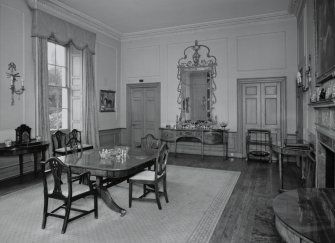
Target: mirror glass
x=196, y=73
x=195, y=88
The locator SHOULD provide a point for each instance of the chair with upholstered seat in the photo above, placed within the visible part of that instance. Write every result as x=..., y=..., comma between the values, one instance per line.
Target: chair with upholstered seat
x=68, y=192
x=76, y=134
x=149, y=142
x=152, y=178
x=58, y=140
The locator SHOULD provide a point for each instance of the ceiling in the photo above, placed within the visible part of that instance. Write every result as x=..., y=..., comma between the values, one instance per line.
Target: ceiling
x=129, y=16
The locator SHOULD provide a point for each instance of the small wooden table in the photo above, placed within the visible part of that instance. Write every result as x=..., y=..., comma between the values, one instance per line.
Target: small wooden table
x=20, y=150
x=110, y=172
x=286, y=150
x=306, y=215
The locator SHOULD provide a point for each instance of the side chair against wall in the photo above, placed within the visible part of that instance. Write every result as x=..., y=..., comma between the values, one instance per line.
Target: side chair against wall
x=76, y=134
x=152, y=178
x=58, y=141
x=66, y=192
x=149, y=142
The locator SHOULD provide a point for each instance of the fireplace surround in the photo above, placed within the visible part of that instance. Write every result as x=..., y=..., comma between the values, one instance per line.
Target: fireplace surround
x=325, y=145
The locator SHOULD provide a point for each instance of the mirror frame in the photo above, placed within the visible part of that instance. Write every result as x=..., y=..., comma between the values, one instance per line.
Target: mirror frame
x=197, y=62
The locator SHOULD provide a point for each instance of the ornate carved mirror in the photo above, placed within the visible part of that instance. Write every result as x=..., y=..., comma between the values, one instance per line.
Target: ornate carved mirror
x=196, y=73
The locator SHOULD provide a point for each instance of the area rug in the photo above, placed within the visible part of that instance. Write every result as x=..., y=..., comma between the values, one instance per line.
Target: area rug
x=197, y=197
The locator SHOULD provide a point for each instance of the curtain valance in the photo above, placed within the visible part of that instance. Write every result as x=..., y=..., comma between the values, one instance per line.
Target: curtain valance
x=46, y=26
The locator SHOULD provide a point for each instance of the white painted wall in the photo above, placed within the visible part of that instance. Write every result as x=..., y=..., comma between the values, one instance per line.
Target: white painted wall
x=16, y=45
x=261, y=49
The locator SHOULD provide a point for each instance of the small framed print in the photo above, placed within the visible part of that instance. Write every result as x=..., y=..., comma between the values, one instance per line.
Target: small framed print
x=107, y=101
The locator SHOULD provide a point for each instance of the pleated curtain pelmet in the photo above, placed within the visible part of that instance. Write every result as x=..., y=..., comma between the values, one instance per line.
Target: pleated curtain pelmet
x=46, y=26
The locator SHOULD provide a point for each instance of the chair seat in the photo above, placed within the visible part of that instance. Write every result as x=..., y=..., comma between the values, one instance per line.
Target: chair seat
x=146, y=175
x=77, y=189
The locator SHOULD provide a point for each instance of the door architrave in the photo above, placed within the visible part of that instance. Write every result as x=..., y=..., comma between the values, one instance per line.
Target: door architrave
x=283, y=111
x=129, y=115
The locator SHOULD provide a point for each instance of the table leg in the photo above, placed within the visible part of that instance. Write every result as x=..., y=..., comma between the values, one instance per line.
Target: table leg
x=35, y=164
x=21, y=165
x=175, y=148
x=107, y=198
x=280, y=171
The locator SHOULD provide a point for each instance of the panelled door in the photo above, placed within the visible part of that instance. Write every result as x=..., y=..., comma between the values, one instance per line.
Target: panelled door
x=261, y=108
x=143, y=111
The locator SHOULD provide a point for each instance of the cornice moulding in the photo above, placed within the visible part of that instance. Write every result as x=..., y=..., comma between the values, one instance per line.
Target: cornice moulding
x=276, y=16
x=72, y=15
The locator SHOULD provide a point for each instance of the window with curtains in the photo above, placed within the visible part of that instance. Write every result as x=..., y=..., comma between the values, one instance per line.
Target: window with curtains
x=65, y=87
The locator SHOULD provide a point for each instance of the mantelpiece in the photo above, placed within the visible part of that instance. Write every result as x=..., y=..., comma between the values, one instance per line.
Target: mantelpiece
x=325, y=139
x=203, y=136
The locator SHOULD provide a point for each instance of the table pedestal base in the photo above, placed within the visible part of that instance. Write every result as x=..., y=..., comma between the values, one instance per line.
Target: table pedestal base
x=107, y=198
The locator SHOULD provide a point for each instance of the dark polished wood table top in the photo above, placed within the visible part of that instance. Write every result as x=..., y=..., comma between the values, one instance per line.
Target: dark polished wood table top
x=111, y=167
x=310, y=212
x=22, y=148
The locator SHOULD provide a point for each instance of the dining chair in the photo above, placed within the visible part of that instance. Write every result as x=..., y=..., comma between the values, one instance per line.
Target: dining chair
x=150, y=179
x=149, y=142
x=58, y=141
x=67, y=192
x=73, y=145
x=76, y=134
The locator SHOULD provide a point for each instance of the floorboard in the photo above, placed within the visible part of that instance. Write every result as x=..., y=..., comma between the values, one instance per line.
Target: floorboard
x=248, y=215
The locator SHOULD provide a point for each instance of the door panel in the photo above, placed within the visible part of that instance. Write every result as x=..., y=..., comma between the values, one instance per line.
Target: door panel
x=144, y=107
x=270, y=100
x=261, y=108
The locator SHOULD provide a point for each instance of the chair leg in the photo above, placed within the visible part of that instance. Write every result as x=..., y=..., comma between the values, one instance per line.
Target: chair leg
x=95, y=205
x=67, y=215
x=165, y=191
x=45, y=212
x=130, y=193
x=157, y=196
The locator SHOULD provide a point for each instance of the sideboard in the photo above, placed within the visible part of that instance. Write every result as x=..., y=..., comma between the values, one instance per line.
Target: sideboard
x=203, y=136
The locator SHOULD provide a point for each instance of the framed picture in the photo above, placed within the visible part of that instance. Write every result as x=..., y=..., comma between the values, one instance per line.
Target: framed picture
x=325, y=39
x=107, y=100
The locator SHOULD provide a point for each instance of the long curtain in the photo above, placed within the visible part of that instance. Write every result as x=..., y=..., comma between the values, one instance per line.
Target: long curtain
x=43, y=91
x=90, y=111
x=62, y=32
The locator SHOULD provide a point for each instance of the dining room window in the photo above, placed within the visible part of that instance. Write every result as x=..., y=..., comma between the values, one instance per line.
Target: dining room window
x=65, y=87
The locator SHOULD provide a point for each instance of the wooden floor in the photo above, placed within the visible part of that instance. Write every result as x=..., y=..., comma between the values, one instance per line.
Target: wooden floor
x=248, y=215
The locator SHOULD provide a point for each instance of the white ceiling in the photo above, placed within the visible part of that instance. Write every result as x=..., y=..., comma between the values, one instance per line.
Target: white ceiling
x=128, y=16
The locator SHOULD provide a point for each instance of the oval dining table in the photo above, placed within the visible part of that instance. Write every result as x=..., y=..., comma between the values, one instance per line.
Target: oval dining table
x=111, y=171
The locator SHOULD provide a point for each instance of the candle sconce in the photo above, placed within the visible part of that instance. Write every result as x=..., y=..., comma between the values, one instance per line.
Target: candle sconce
x=13, y=76
x=304, y=79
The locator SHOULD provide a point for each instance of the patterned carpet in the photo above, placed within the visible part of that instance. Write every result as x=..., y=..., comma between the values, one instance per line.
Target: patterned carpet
x=197, y=198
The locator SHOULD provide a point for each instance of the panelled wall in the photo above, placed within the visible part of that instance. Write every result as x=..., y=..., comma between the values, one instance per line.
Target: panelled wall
x=258, y=48
x=16, y=45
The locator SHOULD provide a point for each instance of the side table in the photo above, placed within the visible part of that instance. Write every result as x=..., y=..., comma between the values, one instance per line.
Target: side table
x=19, y=150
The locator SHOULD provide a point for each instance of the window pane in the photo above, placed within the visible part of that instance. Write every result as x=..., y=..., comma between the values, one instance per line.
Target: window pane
x=54, y=118
x=61, y=74
x=51, y=53
x=55, y=97
x=65, y=98
x=52, y=75
x=60, y=55
x=64, y=118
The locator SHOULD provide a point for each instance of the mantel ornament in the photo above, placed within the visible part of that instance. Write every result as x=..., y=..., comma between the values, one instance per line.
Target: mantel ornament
x=197, y=63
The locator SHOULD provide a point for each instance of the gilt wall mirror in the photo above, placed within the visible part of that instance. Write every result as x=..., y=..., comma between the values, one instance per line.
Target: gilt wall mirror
x=196, y=73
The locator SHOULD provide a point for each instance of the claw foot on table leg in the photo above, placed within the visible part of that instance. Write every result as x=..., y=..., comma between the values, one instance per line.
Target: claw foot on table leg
x=106, y=197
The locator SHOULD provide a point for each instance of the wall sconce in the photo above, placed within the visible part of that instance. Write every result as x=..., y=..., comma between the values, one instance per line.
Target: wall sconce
x=12, y=75
x=305, y=81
